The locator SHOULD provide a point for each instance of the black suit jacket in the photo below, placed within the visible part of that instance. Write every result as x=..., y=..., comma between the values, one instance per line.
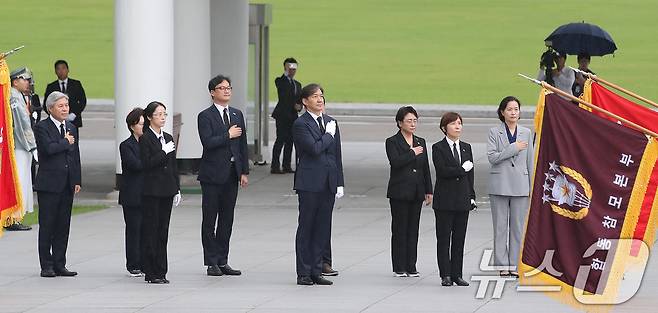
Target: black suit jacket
x=288, y=97
x=320, y=164
x=77, y=97
x=454, y=186
x=410, y=177
x=215, y=164
x=160, y=171
x=59, y=161
x=132, y=176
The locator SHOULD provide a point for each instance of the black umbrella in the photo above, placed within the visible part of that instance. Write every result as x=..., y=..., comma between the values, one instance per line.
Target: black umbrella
x=581, y=38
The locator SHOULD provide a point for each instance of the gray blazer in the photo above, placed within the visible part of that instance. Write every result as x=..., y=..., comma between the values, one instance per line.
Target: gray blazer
x=23, y=134
x=511, y=169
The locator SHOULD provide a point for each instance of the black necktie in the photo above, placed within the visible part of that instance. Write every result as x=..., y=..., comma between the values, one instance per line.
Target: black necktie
x=455, y=153
x=321, y=124
x=61, y=130
x=294, y=87
x=63, y=87
x=225, y=116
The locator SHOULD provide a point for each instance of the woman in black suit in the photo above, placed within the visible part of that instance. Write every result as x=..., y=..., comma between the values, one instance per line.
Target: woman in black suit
x=409, y=185
x=130, y=190
x=454, y=197
x=160, y=190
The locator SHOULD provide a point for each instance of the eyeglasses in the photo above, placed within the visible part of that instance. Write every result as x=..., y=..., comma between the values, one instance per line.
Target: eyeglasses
x=160, y=114
x=411, y=121
x=222, y=88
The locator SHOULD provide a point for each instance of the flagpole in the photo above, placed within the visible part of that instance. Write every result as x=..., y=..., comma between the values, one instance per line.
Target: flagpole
x=630, y=93
x=591, y=106
x=3, y=55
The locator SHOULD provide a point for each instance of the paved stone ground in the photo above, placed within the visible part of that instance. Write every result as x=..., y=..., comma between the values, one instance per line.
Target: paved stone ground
x=263, y=247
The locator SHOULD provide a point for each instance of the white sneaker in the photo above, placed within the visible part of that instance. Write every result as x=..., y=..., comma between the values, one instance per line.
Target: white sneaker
x=400, y=274
x=414, y=274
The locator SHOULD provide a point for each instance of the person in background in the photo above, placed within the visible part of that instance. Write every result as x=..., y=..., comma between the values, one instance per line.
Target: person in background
x=25, y=144
x=285, y=113
x=130, y=190
x=454, y=198
x=583, y=65
x=510, y=153
x=409, y=184
x=71, y=87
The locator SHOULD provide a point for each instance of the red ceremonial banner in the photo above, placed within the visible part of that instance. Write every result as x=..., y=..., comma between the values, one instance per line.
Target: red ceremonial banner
x=590, y=181
x=10, y=198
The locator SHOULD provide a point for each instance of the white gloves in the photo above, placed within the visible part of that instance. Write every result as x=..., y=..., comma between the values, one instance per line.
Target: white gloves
x=331, y=128
x=340, y=191
x=177, y=198
x=35, y=154
x=467, y=166
x=472, y=201
x=71, y=116
x=168, y=147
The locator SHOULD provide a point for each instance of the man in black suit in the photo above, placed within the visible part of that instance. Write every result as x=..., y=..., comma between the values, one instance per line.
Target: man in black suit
x=71, y=87
x=318, y=182
x=58, y=179
x=285, y=114
x=224, y=165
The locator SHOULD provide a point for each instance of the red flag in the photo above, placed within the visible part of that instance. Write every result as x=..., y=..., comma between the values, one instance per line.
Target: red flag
x=10, y=196
x=608, y=100
x=591, y=178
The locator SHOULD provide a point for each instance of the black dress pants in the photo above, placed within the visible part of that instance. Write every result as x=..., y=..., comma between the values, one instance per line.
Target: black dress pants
x=54, y=227
x=283, y=141
x=313, y=230
x=450, y=237
x=155, y=234
x=218, y=207
x=405, y=219
x=132, y=216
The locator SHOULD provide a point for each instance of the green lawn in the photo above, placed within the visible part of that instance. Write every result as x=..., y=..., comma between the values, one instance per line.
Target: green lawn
x=413, y=51
x=33, y=218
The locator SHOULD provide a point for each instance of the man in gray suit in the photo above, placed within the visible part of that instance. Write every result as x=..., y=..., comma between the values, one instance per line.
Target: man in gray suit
x=510, y=152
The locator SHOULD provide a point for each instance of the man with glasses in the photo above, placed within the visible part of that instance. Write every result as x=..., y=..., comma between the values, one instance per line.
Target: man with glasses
x=285, y=114
x=224, y=165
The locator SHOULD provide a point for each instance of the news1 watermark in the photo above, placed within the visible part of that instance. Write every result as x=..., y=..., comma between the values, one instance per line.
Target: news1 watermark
x=630, y=257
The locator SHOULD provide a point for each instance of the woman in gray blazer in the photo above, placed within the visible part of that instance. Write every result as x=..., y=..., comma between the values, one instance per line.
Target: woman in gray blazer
x=510, y=152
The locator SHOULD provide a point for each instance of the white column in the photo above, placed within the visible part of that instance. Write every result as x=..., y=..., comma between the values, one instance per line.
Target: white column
x=143, y=60
x=229, y=42
x=191, y=71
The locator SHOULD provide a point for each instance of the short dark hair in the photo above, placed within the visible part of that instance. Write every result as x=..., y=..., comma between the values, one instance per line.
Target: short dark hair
x=58, y=62
x=289, y=60
x=584, y=56
x=310, y=89
x=217, y=80
x=448, y=118
x=133, y=118
x=503, y=105
x=402, y=112
x=150, y=109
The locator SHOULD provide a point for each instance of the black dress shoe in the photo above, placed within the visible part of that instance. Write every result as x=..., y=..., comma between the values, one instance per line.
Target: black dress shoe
x=65, y=272
x=446, y=281
x=166, y=281
x=48, y=273
x=18, y=227
x=319, y=280
x=304, y=280
x=213, y=270
x=328, y=271
x=460, y=281
x=156, y=281
x=288, y=170
x=276, y=171
x=227, y=270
